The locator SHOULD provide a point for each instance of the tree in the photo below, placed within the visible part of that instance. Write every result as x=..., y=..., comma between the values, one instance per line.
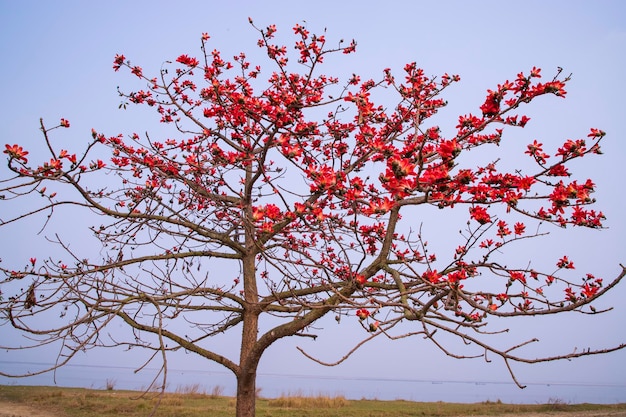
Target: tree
x=273, y=205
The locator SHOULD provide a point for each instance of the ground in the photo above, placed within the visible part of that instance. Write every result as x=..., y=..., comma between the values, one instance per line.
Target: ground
x=565, y=414
x=9, y=409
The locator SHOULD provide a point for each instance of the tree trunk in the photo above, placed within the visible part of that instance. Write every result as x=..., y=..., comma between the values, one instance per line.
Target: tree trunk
x=249, y=356
x=246, y=394
x=249, y=361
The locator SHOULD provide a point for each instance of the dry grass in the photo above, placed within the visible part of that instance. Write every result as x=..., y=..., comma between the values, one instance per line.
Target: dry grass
x=298, y=400
x=190, y=389
x=191, y=401
x=110, y=384
x=217, y=391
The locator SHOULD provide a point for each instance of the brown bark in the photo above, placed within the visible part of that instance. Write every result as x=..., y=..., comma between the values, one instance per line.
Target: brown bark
x=246, y=393
x=249, y=360
x=249, y=356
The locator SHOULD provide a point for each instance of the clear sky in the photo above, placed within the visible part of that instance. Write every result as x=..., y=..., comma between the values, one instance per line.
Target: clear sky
x=57, y=59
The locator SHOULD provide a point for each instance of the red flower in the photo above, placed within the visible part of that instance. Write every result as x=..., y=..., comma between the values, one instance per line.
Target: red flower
x=535, y=72
x=456, y=276
x=486, y=243
x=480, y=214
x=518, y=276
x=555, y=87
x=118, y=61
x=558, y=171
x=572, y=148
x=380, y=206
x=267, y=227
x=362, y=313
x=297, y=29
x=491, y=107
x=503, y=230
x=137, y=71
x=64, y=154
x=596, y=133
x=536, y=150
x=502, y=297
x=98, y=164
x=186, y=60
x=360, y=279
x=564, y=262
x=569, y=295
x=589, y=290
x=16, y=152
x=269, y=211
x=449, y=149
x=401, y=167
x=257, y=213
x=65, y=123
x=431, y=276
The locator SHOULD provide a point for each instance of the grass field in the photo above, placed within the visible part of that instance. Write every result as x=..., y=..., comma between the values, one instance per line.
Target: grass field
x=188, y=402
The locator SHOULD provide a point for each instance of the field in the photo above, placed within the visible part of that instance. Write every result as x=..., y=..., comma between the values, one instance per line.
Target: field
x=36, y=401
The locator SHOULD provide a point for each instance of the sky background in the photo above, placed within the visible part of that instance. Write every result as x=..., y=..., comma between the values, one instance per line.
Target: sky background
x=57, y=59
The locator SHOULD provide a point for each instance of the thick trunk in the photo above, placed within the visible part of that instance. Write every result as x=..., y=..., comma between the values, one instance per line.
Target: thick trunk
x=249, y=360
x=249, y=356
x=246, y=394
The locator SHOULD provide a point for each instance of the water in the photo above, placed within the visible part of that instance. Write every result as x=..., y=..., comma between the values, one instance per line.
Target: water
x=275, y=385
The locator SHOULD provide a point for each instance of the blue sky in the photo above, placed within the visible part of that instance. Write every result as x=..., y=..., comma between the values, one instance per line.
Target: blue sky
x=57, y=63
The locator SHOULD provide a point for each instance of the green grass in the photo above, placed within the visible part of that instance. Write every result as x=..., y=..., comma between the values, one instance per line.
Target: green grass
x=76, y=402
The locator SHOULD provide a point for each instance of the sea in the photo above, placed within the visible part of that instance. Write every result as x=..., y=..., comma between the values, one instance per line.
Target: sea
x=276, y=385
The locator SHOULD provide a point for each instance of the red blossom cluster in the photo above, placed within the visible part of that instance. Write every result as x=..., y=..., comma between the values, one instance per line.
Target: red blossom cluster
x=241, y=129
